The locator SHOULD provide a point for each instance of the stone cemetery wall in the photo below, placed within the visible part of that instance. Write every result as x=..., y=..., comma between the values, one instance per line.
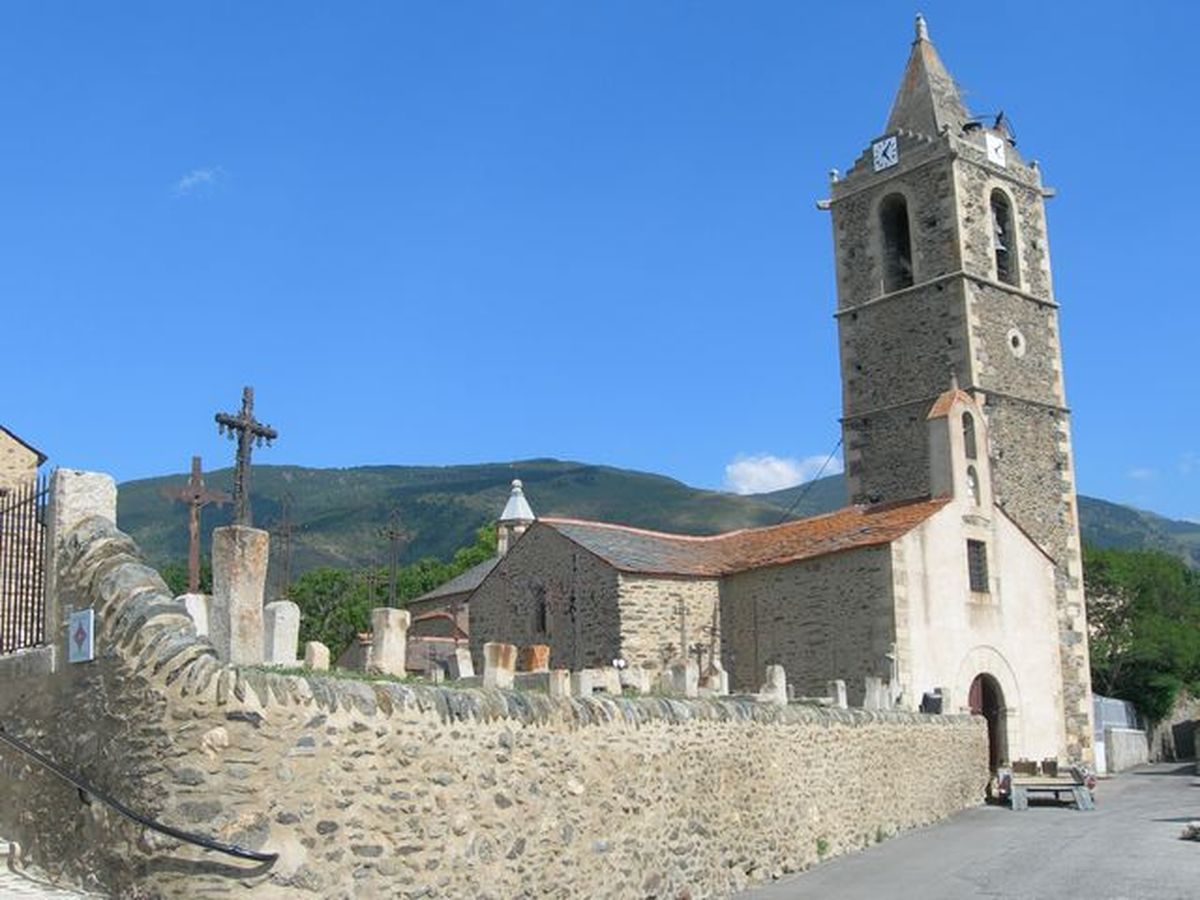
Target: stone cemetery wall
x=375, y=789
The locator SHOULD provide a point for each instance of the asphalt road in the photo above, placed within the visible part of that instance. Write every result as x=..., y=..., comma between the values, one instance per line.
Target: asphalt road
x=1128, y=848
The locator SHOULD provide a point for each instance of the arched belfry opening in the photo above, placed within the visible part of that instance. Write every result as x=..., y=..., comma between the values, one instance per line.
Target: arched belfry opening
x=897, y=243
x=1003, y=240
x=986, y=699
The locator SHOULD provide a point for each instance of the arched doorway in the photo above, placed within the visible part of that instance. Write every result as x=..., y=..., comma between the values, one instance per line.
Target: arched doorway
x=986, y=699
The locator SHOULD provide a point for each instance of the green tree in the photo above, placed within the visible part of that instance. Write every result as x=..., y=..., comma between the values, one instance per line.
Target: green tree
x=175, y=574
x=334, y=607
x=335, y=604
x=1144, y=616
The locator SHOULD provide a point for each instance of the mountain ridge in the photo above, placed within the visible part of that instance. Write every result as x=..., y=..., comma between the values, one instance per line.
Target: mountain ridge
x=338, y=513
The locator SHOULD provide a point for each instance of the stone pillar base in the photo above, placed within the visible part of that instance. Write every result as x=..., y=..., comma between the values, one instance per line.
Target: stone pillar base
x=239, y=562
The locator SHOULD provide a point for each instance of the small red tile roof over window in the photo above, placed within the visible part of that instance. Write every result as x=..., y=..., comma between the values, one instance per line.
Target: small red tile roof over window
x=943, y=404
x=638, y=551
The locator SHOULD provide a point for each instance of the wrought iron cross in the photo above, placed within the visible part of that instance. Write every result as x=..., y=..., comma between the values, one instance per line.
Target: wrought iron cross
x=196, y=496
x=284, y=529
x=395, y=534
x=249, y=433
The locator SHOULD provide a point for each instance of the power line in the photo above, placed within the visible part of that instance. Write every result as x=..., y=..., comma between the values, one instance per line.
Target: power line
x=803, y=492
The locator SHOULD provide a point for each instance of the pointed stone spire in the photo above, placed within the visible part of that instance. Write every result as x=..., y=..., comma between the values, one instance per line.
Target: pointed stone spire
x=928, y=99
x=515, y=520
x=517, y=509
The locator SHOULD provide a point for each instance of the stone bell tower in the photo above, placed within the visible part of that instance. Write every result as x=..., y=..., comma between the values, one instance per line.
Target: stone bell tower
x=943, y=269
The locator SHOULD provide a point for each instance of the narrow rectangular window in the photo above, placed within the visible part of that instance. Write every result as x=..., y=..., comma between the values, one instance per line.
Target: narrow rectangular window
x=977, y=568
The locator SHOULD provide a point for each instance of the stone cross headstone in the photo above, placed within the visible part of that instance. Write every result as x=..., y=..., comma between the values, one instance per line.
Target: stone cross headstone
x=682, y=677
x=248, y=432
x=281, y=632
x=196, y=496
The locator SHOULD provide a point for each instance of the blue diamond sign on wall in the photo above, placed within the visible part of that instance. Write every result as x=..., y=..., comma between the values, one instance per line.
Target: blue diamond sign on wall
x=80, y=636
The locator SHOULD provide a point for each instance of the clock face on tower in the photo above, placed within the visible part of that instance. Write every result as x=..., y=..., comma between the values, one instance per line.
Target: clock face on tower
x=995, y=149
x=885, y=152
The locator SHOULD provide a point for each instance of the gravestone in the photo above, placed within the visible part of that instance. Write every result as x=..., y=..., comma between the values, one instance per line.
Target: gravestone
x=197, y=607
x=281, y=637
x=316, y=656
x=239, y=562
x=535, y=658
x=389, y=640
x=873, y=693
x=837, y=693
x=559, y=683
x=459, y=664
x=635, y=679
x=499, y=663
x=682, y=677
x=715, y=680
x=775, y=687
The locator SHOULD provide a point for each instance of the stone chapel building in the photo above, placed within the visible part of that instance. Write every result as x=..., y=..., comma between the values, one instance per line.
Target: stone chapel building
x=956, y=570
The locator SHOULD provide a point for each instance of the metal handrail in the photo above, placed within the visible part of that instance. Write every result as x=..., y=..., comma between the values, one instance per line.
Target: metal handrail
x=76, y=781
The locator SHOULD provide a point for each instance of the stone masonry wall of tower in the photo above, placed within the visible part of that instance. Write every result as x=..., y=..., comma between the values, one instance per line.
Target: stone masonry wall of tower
x=997, y=331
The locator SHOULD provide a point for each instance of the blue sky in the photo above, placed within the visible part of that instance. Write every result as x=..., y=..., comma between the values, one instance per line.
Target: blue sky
x=464, y=232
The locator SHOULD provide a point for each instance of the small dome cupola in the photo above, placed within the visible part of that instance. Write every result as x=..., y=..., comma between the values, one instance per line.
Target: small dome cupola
x=515, y=520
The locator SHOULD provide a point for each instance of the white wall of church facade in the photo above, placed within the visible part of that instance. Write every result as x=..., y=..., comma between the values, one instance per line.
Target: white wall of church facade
x=650, y=620
x=579, y=593
x=948, y=635
x=824, y=618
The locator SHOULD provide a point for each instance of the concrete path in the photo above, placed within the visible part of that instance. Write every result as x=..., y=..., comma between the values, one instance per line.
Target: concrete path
x=1128, y=848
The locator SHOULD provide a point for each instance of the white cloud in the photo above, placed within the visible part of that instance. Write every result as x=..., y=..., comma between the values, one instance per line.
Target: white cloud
x=198, y=180
x=761, y=472
x=1141, y=474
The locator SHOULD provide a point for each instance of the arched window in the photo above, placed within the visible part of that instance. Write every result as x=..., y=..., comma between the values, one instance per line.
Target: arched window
x=1003, y=238
x=897, y=245
x=539, y=617
x=973, y=484
x=968, y=426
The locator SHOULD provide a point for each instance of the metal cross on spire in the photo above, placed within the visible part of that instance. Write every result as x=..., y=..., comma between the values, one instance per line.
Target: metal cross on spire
x=196, y=496
x=249, y=432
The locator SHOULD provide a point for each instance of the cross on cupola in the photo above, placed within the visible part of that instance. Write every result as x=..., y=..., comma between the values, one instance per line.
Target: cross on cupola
x=249, y=433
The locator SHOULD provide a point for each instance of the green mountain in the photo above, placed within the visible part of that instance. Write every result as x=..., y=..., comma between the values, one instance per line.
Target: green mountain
x=337, y=514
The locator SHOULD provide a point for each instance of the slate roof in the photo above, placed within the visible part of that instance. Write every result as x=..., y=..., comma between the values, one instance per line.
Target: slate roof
x=928, y=99
x=462, y=583
x=638, y=551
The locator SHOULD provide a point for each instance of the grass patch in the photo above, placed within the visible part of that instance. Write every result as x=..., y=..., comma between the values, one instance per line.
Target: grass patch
x=339, y=674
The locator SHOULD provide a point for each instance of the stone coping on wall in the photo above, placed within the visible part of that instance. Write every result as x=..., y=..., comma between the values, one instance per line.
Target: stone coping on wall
x=141, y=624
